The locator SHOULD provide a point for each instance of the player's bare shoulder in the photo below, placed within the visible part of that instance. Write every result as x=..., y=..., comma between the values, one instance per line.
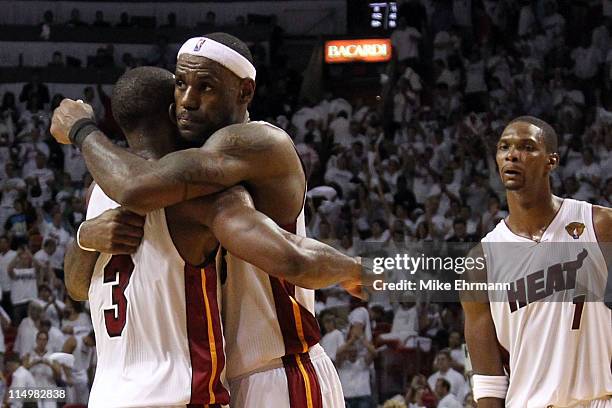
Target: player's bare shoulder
x=602, y=221
x=268, y=147
x=253, y=137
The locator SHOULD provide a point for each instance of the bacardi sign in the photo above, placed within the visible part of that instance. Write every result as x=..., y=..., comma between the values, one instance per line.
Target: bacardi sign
x=371, y=50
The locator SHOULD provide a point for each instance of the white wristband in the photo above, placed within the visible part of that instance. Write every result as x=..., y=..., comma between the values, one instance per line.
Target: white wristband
x=490, y=386
x=78, y=240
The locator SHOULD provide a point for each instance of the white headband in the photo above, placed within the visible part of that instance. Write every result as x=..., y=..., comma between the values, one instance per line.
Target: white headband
x=224, y=55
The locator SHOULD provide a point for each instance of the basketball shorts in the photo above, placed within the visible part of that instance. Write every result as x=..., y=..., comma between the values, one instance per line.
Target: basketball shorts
x=306, y=380
x=600, y=403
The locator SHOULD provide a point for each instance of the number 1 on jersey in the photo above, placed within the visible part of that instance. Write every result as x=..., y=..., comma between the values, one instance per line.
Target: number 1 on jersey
x=579, y=302
x=118, y=271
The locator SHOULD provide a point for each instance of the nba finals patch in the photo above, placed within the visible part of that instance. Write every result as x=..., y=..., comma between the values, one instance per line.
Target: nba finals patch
x=575, y=229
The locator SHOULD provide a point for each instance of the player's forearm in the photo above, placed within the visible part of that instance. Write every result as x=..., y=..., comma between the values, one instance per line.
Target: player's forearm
x=256, y=239
x=145, y=185
x=481, y=339
x=320, y=265
x=111, y=166
x=78, y=269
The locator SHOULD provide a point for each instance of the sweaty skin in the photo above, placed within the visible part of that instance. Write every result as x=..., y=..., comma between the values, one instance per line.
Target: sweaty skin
x=524, y=165
x=194, y=224
x=259, y=156
x=229, y=218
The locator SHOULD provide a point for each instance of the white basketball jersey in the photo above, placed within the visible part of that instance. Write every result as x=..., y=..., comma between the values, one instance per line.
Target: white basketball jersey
x=264, y=318
x=559, y=345
x=157, y=323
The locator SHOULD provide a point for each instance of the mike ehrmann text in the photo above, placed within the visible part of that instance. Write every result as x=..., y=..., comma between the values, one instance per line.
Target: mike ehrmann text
x=438, y=285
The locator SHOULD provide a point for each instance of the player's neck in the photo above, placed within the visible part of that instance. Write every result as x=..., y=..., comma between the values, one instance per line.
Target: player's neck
x=531, y=213
x=144, y=145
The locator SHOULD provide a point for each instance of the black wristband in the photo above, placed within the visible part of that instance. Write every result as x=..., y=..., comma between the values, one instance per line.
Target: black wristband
x=80, y=130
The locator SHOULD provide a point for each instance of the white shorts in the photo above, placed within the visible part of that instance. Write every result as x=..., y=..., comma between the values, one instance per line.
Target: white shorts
x=306, y=380
x=600, y=403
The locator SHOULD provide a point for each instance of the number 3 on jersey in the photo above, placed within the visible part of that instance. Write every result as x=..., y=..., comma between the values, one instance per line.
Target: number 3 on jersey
x=118, y=271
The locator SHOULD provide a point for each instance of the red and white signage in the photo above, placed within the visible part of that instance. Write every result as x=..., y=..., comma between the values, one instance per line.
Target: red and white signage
x=370, y=50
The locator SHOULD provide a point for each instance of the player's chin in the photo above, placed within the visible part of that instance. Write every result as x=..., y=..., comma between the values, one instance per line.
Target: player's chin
x=193, y=133
x=513, y=185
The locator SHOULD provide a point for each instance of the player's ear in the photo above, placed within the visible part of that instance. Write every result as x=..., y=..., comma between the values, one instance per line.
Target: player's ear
x=553, y=161
x=172, y=113
x=247, y=91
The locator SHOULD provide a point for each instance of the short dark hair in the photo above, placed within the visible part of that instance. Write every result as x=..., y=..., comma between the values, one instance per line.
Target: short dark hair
x=550, y=136
x=459, y=221
x=328, y=313
x=49, y=241
x=141, y=95
x=444, y=383
x=44, y=286
x=232, y=42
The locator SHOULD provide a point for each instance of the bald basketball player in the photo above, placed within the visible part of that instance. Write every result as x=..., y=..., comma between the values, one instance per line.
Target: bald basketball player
x=272, y=334
x=559, y=346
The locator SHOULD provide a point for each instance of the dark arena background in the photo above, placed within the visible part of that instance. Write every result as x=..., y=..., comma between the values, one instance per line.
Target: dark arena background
x=394, y=107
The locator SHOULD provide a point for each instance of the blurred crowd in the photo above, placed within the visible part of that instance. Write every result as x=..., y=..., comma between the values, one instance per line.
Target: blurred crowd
x=414, y=164
x=162, y=52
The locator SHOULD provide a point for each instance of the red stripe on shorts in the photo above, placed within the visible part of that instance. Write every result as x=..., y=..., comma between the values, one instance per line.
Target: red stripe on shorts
x=302, y=382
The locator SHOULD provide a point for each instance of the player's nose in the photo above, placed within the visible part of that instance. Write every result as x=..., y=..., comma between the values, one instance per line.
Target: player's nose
x=190, y=99
x=511, y=154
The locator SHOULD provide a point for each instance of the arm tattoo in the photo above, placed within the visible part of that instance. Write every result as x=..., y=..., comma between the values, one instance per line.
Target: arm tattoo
x=201, y=172
x=228, y=157
x=193, y=171
x=238, y=142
